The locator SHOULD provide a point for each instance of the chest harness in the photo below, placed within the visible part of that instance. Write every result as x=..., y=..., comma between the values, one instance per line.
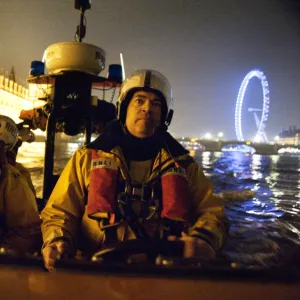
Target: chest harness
x=110, y=199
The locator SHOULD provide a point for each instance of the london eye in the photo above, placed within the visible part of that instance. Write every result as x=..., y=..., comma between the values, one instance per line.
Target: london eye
x=261, y=120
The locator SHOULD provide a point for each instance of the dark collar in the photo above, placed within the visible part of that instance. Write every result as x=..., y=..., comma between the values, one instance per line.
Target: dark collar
x=134, y=148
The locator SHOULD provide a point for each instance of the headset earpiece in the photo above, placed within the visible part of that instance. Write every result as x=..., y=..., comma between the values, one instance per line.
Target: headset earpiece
x=169, y=117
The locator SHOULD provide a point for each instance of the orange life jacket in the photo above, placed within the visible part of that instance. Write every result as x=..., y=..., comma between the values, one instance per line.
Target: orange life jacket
x=102, y=195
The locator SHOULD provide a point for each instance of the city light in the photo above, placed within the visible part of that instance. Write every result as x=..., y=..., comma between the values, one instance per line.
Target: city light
x=220, y=135
x=15, y=97
x=258, y=139
x=208, y=136
x=260, y=123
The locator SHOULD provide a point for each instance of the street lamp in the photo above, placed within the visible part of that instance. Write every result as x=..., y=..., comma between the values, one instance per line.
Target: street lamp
x=208, y=136
x=220, y=135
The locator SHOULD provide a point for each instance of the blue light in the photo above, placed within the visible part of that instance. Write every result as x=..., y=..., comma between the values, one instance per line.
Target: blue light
x=37, y=68
x=115, y=73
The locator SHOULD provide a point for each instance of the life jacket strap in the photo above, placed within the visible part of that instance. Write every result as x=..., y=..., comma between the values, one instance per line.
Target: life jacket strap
x=127, y=214
x=111, y=235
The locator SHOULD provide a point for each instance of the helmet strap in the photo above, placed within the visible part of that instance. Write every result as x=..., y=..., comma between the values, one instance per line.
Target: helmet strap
x=118, y=108
x=169, y=117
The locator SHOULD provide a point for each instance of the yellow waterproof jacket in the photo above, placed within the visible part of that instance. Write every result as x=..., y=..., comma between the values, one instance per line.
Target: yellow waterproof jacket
x=24, y=172
x=19, y=216
x=64, y=216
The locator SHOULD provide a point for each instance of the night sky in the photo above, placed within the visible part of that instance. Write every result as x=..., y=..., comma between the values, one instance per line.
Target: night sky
x=204, y=47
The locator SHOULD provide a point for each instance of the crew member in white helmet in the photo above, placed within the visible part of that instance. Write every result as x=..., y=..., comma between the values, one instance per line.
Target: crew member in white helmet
x=19, y=217
x=134, y=182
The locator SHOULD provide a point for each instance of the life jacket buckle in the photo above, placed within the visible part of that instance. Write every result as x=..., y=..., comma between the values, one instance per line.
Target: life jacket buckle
x=104, y=227
x=140, y=192
x=122, y=203
x=151, y=211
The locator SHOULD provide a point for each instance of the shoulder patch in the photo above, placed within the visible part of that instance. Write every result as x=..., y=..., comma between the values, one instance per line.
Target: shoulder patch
x=104, y=162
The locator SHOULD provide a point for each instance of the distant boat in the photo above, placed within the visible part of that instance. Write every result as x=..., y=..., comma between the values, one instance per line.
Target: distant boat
x=192, y=145
x=238, y=148
x=289, y=151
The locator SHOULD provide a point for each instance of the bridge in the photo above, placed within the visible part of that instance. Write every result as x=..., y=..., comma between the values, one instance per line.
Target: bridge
x=260, y=148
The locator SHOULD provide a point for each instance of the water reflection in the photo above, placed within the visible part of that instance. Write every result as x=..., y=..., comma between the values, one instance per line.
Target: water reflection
x=272, y=217
x=32, y=157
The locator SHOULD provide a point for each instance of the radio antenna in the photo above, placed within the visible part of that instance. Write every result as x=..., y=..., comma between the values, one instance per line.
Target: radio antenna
x=82, y=6
x=123, y=67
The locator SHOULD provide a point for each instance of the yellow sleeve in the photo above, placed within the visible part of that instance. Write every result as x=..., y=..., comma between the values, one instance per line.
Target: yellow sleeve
x=64, y=210
x=26, y=175
x=19, y=212
x=209, y=220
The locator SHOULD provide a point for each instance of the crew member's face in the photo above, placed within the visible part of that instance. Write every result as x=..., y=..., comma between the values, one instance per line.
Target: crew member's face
x=143, y=114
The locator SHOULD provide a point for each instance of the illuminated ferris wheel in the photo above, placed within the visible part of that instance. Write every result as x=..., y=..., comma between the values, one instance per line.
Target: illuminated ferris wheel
x=260, y=122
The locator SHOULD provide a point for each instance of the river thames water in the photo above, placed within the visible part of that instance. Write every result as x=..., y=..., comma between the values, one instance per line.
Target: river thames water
x=265, y=228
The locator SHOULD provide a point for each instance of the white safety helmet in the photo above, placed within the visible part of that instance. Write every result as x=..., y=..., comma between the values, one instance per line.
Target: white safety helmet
x=148, y=80
x=8, y=132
